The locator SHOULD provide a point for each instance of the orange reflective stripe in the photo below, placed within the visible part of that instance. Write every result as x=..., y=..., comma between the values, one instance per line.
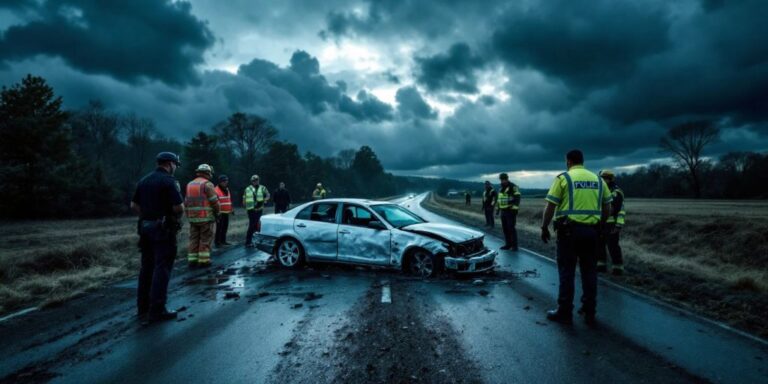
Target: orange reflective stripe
x=225, y=201
x=198, y=206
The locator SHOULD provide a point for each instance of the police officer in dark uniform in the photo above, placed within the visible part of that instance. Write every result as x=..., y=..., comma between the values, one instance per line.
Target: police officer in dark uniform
x=159, y=204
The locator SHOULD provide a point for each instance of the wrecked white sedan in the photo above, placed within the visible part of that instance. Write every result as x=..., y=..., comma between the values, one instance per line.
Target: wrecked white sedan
x=364, y=232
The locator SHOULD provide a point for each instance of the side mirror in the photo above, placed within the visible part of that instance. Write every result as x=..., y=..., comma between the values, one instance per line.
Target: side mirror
x=375, y=224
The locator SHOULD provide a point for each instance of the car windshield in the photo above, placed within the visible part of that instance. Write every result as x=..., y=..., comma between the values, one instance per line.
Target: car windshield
x=396, y=215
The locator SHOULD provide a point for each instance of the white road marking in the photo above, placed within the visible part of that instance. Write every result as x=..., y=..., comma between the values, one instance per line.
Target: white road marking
x=386, y=294
x=19, y=313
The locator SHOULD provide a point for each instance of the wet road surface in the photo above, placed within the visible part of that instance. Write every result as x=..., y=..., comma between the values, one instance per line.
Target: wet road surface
x=244, y=322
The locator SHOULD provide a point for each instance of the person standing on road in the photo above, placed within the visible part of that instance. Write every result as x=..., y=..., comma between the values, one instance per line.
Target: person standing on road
x=580, y=202
x=254, y=199
x=282, y=199
x=612, y=229
x=319, y=192
x=489, y=204
x=508, y=205
x=226, y=209
x=467, y=198
x=158, y=202
x=203, y=208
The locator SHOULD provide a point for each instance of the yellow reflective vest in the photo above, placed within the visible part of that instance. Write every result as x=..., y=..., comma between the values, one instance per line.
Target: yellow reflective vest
x=254, y=195
x=579, y=195
x=509, y=197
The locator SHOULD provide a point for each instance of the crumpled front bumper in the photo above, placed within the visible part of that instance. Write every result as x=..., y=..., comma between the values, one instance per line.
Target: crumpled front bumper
x=478, y=263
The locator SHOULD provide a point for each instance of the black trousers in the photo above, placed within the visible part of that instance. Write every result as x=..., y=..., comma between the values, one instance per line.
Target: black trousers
x=222, y=226
x=577, y=244
x=508, y=223
x=254, y=215
x=489, y=221
x=610, y=241
x=158, y=252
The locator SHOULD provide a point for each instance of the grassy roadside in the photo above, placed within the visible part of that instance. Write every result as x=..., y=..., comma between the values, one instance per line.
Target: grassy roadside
x=48, y=262
x=708, y=256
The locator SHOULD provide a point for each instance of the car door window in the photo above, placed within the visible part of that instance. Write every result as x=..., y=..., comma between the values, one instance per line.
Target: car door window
x=356, y=215
x=322, y=212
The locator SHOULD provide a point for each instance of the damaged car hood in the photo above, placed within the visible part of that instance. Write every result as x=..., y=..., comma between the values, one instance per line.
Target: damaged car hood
x=447, y=232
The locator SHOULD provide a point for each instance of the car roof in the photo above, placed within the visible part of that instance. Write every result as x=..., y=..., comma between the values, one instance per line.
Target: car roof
x=355, y=201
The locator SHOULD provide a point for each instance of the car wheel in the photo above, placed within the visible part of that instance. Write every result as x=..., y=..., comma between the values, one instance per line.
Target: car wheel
x=290, y=254
x=423, y=264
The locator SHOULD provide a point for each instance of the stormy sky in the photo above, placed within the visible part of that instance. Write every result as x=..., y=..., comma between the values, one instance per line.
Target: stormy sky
x=461, y=89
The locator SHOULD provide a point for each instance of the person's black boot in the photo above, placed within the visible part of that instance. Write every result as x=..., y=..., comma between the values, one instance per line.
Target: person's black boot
x=559, y=316
x=505, y=247
x=165, y=315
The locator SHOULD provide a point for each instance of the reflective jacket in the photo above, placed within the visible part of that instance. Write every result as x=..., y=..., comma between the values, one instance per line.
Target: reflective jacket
x=254, y=197
x=509, y=197
x=579, y=195
x=619, y=212
x=225, y=200
x=197, y=204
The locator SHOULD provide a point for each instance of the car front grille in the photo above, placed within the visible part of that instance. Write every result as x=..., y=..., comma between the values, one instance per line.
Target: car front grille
x=469, y=248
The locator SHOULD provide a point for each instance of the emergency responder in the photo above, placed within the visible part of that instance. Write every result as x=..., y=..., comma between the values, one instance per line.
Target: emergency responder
x=202, y=209
x=467, y=198
x=489, y=204
x=612, y=229
x=508, y=204
x=226, y=209
x=579, y=201
x=254, y=199
x=282, y=199
x=158, y=202
x=319, y=192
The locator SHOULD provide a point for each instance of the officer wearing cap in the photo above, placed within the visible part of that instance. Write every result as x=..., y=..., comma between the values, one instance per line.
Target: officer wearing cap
x=612, y=229
x=158, y=202
x=580, y=203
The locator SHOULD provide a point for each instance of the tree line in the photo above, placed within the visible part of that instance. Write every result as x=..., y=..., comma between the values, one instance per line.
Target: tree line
x=57, y=163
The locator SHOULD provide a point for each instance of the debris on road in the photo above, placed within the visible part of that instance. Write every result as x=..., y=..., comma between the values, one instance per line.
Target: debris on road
x=312, y=296
x=483, y=292
x=231, y=295
x=478, y=282
x=297, y=305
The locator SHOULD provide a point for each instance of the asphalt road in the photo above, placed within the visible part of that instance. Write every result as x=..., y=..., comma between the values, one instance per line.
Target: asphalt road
x=246, y=322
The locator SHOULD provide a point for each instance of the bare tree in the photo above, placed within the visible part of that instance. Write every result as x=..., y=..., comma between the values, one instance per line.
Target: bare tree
x=247, y=137
x=139, y=134
x=344, y=158
x=686, y=143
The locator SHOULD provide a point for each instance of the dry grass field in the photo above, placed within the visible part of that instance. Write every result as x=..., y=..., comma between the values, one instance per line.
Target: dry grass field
x=710, y=256
x=47, y=262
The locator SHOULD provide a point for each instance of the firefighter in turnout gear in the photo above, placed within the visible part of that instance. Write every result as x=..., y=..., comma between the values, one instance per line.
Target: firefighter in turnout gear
x=319, y=192
x=489, y=204
x=254, y=199
x=159, y=204
x=612, y=230
x=508, y=204
x=202, y=205
x=225, y=203
x=579, y=201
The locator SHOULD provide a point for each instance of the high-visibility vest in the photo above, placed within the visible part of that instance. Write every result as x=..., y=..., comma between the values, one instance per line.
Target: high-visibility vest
x=318, y=194
x=225, y=201
x=583, y=199
x=506, y=197
x=619, y=219
x=197, y=204
x=254, y=195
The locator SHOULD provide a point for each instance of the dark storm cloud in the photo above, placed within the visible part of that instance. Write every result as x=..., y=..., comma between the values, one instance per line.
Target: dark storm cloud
x=583, y=45
x=411, y=104
x=129, y=40
x=454, y=70
x=302, y=80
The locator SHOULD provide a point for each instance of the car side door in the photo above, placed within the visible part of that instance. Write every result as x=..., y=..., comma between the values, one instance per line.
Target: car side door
x=317, y=228
x=359, y=242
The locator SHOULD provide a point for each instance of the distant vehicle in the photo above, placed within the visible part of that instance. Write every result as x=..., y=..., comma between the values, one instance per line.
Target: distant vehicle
x=364, y=232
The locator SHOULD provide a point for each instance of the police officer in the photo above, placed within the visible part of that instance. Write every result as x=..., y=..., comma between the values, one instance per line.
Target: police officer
x=159, y=204
x=489, y=203
x=612, y=230
x=579, y=201
x=508, y=204
x=319, y=193
x=254, y=199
